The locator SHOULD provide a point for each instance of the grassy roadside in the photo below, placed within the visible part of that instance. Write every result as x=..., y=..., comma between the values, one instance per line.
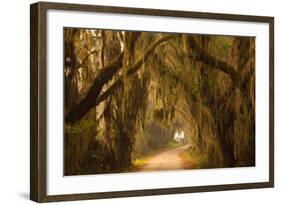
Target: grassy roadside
x=139, y=163
x=192, y=159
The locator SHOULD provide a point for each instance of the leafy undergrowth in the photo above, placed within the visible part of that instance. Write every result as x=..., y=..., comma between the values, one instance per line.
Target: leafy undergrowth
x=193, y=159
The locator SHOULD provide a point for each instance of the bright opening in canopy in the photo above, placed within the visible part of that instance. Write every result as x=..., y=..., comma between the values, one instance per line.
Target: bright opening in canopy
x=179, y=137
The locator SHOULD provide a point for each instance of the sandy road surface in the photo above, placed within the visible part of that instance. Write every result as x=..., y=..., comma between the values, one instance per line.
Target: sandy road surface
x=167, y=160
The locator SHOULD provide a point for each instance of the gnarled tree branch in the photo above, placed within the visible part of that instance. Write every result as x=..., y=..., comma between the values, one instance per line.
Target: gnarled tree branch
x=104, y=77
x=203, y=56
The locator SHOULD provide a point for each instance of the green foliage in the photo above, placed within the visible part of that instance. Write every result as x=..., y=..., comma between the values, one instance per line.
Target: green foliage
x=83, y=127
x=79, y=143
x=198, y=159
x=170, y=85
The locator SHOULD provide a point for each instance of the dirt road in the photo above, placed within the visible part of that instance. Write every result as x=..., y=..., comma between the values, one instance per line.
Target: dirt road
x=167, y=160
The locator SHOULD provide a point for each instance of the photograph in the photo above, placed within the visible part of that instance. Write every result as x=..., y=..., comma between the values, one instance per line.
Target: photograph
x=143, y=101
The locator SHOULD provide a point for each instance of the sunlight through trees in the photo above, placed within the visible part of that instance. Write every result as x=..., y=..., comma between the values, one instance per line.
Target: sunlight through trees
x=129, y=94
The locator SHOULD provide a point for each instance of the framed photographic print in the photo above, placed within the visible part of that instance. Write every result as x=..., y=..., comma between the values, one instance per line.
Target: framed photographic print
x=134, y=102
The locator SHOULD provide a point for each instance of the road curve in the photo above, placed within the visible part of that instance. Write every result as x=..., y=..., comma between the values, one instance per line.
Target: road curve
x=167, y=160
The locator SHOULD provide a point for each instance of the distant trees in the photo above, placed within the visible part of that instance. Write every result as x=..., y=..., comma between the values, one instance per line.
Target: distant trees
x=121, y=83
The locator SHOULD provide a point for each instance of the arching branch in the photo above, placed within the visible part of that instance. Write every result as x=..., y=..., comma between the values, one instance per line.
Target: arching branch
x=131, y=71
x=203, y=56
x=109, y=91
x=79, y=65
x=104, y=77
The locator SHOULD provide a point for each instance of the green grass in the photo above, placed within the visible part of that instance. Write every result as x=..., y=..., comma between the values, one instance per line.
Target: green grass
x=173, y=145
x=194, y=159
x=140, y=162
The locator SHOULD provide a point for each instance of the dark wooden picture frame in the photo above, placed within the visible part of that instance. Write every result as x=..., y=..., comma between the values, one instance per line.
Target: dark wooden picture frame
x=38, y=101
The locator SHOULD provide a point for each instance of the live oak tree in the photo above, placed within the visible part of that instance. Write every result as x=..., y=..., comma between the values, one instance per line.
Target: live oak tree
x=122, y=86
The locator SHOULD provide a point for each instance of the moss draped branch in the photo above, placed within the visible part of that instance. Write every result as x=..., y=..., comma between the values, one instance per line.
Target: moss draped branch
x=104, y=77
x=203, y=56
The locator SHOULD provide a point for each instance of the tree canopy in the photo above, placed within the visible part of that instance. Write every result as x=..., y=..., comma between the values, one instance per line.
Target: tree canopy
x=128, y=92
